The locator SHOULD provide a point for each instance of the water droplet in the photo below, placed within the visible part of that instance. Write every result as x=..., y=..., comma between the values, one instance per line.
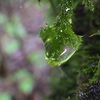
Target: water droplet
x=60, y=30
x=67, y=9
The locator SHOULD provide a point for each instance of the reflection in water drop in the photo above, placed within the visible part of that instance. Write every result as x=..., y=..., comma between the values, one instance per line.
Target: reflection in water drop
x=67, y=9
x=63, y=52
x=66, y=54
x=60, y=30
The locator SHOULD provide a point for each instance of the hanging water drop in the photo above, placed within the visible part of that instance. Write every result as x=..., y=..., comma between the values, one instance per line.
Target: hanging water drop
x=61, y=31
x=67, y=9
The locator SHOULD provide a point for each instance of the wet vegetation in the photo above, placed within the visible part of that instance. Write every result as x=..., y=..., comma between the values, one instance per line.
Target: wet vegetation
x=49, y=50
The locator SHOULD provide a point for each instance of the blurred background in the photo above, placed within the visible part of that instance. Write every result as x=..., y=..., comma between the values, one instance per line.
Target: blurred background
x=24, y=72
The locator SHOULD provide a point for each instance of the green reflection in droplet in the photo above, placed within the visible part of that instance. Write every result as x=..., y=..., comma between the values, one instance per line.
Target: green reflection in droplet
x=62, y=45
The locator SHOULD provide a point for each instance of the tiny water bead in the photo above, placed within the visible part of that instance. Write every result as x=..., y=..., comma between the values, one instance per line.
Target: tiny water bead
x=61, y=31
x=63, y=52
x=67, y=9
